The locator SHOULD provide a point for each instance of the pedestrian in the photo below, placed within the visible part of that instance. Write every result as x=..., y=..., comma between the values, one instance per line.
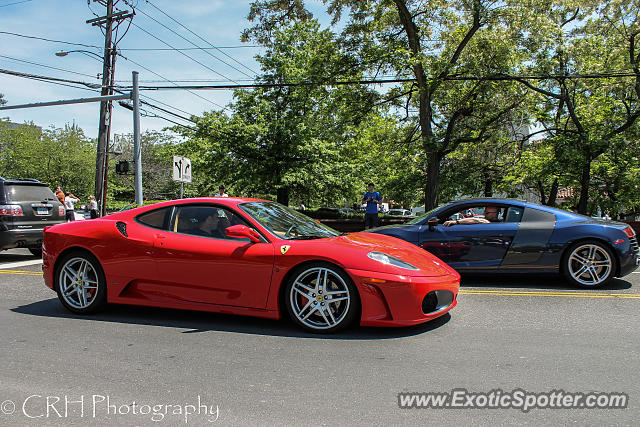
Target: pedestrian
x=93, y=207
x=373, y=199
x=221, y=192
x=69, y=201
x=60, y=194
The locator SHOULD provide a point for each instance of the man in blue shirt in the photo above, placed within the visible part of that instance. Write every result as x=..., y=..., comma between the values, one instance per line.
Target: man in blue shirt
x=373, y=199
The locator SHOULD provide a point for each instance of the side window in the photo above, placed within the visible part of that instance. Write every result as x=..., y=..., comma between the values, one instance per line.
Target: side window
x=157, y=218
x=514, y=214
x=205, y=221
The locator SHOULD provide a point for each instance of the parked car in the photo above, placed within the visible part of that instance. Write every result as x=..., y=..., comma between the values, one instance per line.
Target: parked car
x=403, y=213
x=245, y=256
x=27, y=206
x=526, y=238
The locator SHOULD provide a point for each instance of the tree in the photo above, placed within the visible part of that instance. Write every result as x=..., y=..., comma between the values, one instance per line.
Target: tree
x=290, y=140
x=589, y=115
x=58, y=156
x=430, y=43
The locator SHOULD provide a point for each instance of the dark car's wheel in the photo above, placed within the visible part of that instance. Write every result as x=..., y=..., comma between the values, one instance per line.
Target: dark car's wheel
x=321, y=298
x=80, y=283
x=36, y=251
x=589, y=264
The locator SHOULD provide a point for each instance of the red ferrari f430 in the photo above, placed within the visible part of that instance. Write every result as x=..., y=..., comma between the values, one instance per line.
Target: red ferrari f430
x=249, y=257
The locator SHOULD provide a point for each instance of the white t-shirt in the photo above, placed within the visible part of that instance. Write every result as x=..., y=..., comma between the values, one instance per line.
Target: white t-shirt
x=69, y=201
x=221, y=195
x=93, y=205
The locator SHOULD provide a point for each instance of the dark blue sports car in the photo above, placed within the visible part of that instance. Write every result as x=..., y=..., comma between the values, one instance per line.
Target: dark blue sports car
x=508, y=236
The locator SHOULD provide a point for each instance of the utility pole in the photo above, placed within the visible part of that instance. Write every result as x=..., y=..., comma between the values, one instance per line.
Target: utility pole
x=137, y=148
x=108, y=73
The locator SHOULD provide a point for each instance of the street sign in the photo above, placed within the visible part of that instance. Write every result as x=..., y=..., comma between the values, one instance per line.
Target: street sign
x=181, y=169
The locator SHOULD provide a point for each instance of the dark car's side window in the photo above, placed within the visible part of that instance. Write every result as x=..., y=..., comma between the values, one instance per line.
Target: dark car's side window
x=514, y=214
x=205, y=221
x=158, y=218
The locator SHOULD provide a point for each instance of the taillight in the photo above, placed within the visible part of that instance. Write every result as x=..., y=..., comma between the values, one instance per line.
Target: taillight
x=629, y=232
x=11, y=210
x=61, y=210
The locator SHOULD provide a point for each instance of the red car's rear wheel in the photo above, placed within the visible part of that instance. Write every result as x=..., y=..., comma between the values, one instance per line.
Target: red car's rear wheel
x=80, y=283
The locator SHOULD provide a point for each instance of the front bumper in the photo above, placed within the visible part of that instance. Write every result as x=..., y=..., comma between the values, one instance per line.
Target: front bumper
x=394, y=300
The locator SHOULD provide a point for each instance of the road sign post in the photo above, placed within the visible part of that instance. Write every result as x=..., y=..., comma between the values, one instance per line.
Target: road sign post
x=181, y=171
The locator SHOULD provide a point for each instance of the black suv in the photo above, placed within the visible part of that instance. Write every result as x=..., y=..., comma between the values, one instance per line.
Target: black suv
x=26, y=207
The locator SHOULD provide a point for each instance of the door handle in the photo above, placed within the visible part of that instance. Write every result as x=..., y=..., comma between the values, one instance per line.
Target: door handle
x=160, y=236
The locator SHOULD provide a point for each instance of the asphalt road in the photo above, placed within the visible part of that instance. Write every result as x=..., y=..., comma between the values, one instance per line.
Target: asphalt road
x=534, y=334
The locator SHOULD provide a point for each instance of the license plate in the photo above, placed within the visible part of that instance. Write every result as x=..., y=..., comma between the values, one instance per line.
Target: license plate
x=42, y=211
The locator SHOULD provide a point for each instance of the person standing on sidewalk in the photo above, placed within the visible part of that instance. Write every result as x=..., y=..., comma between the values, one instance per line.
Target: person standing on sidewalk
x=69, y=201
x=93, y=207
x=373, y=199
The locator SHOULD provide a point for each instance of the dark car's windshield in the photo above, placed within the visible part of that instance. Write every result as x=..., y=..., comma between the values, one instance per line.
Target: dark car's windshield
x=424, y=216
x=286, y=223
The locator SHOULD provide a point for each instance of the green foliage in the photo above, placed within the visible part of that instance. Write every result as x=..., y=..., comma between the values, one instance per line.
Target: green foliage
x=60, y=157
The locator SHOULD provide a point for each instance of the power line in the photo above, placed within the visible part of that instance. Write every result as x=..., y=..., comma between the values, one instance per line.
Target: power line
x=182, y=53
x=166, y=105
x=16, y=2
x=170, y=81
x=184, y=38
x=50, y=40
x=47, y=66
x=499, y=77
x=204, y=40
x=145, y=49
x=190, y=48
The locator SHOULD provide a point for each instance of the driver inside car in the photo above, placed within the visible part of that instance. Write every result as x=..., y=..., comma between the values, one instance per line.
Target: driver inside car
x=491, y=214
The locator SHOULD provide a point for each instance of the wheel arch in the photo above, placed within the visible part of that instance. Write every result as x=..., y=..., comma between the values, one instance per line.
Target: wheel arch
x=293, y=269
x=565, y=252
x=66, y=251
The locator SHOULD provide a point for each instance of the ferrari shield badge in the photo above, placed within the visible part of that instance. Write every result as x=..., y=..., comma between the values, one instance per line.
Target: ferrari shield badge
x=284, y=249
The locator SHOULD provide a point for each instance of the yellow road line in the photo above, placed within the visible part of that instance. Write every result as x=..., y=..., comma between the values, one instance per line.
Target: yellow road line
x=21, y=272
x=547, y=294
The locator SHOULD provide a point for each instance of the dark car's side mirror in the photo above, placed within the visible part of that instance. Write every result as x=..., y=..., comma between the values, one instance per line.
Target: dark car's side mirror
x=432, y=222
x=243, y=232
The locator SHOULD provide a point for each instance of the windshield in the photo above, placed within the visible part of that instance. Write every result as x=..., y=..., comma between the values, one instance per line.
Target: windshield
x=424, y=216
x=286, y=223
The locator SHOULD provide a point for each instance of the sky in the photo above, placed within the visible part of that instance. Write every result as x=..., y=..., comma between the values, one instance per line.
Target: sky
x=218, y=22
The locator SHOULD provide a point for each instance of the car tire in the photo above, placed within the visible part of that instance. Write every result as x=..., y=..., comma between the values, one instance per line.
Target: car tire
x=36, y=251
x=80, y=283
x=321, y=298
x=589, y=264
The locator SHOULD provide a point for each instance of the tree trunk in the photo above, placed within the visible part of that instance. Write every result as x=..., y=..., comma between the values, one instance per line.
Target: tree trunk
x=541, y=192
x=283, y=196
x=553, y=193
x=432, y=186
x=488, y=187
x=584, y=186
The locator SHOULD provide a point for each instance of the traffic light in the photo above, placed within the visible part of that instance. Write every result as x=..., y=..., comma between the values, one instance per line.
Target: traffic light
x=122, y=167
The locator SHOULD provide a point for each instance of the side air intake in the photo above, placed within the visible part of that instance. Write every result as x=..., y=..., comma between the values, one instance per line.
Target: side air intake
x=122, y=228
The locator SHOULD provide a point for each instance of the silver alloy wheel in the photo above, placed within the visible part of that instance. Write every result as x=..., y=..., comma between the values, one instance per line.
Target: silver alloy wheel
x=590, y=264
x=320, y=298
x=78, y=282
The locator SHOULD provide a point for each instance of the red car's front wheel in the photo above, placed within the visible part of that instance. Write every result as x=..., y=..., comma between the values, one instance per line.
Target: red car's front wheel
x=321, y=298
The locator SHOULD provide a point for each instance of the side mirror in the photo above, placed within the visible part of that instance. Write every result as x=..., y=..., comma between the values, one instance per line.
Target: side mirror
x=243, y=232
x=432, y=222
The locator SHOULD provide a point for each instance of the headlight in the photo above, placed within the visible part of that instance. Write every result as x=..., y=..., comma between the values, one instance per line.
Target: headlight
x=390, y=260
